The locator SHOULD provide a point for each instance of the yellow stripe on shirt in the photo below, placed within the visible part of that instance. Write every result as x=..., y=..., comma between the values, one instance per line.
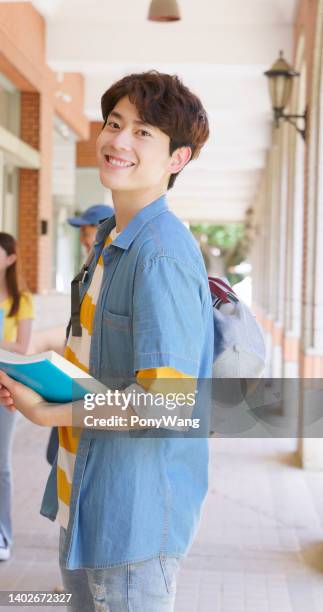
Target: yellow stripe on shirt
x=70, y=355
x=77, y=351
x=87, y=313
x=64, y=488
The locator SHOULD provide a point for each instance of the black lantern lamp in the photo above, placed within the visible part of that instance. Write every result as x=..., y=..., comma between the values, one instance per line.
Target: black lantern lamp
x=280, y=77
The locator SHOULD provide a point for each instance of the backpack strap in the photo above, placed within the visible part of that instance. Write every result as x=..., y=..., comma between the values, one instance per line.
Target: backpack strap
x=81, y=277
x=221, y=292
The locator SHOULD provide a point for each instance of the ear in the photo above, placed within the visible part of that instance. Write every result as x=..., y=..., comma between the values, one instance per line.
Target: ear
x=11, y=259
x=180, y=157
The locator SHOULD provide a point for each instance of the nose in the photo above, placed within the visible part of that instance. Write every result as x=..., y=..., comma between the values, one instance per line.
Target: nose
x=122, y=140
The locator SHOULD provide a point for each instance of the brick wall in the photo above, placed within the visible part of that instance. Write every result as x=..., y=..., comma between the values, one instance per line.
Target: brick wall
x=29, y=192
x=30, y=116
x=85, y=151
x=28, y=226
x=35, y=201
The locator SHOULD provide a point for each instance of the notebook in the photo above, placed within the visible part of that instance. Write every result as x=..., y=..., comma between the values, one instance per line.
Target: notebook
x=48, y=373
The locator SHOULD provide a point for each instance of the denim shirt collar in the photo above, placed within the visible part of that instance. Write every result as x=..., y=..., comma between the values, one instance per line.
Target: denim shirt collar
x=132, y=229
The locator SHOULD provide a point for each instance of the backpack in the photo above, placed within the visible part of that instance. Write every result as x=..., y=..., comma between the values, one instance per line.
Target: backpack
x=239, y=347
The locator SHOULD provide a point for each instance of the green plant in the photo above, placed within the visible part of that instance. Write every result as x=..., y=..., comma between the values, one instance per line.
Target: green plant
x=230, y=239
x=221, y=236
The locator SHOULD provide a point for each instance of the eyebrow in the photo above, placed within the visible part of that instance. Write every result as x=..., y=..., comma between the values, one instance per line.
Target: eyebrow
x=136, y=121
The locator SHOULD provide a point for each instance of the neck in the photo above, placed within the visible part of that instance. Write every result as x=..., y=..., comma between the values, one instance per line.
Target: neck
x=127, y=204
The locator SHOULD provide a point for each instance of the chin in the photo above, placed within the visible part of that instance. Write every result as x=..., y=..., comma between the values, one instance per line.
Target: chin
x=111, y=177
x=107, y=180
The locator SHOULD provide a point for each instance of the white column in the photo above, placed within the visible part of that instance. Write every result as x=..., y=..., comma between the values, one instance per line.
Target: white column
x=311, y=449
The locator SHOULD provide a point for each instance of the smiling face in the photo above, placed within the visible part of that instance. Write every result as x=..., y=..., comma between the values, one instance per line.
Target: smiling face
x=134, y=156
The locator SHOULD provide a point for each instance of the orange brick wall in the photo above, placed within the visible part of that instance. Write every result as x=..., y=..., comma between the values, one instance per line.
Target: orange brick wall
x=85, y=151
x=29, y=192
x=28, y=226
x=30, y=117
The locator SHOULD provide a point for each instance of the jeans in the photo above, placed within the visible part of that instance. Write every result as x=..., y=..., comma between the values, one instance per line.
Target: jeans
x=147, y=586
x=7, y=423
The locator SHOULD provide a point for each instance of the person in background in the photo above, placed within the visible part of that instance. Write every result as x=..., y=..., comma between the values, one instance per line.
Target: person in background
x=16, y=308
x=88, y=223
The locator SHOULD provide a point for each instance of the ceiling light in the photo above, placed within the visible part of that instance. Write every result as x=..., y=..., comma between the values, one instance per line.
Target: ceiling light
x=164, y=10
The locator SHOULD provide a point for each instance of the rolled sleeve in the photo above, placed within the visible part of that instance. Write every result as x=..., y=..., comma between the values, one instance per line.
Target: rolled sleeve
x=168, y=328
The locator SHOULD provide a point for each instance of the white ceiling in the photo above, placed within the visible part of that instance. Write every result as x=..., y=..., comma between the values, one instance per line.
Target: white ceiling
x=220, y=48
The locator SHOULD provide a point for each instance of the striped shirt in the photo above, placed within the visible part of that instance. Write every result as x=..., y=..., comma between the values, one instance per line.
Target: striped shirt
x=78, y=352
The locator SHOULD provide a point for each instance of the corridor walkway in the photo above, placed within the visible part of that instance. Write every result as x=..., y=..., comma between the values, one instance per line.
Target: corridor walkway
x=259, y=548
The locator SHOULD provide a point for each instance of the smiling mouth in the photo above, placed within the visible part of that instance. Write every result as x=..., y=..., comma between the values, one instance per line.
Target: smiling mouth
x=118, y=163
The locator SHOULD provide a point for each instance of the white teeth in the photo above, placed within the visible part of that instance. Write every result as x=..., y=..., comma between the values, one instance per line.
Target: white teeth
x=118, y=162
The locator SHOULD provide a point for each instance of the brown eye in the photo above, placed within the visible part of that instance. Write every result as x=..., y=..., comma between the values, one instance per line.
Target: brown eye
x=113, y=125
x=144, y=133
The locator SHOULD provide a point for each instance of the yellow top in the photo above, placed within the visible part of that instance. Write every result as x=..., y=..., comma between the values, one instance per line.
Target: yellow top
x=10, y=324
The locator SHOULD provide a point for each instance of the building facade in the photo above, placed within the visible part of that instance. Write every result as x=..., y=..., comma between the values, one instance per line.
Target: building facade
x=35, y=103
x=287, y=252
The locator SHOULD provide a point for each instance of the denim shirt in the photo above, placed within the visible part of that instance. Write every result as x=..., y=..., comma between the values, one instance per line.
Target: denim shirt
x=137, y=497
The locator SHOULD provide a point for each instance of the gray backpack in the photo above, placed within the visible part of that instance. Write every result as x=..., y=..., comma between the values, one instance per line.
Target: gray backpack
x=239, y=347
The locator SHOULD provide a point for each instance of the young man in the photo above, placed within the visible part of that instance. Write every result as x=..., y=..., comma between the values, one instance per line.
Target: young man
x=129, y=505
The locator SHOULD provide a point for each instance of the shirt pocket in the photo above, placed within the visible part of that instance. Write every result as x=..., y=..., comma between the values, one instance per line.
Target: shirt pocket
x=116, y=346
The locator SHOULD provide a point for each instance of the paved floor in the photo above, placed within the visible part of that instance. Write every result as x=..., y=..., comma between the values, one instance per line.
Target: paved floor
x=259, y=547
